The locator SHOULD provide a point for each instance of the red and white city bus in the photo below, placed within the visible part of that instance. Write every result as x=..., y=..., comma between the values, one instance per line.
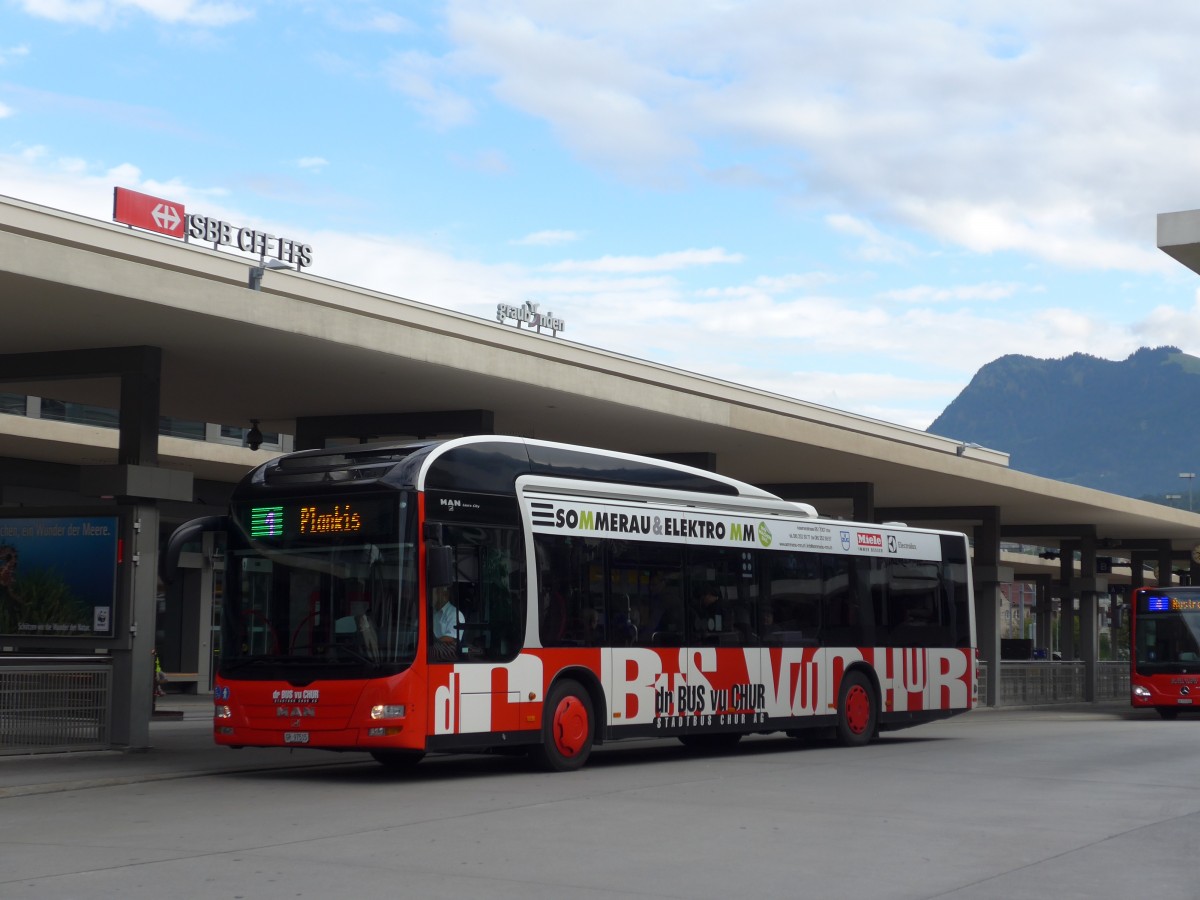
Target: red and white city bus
x=496, y=592
x=1164, y=662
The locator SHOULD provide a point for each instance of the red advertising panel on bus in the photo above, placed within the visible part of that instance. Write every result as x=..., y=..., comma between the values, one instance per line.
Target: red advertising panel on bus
x=152, y=213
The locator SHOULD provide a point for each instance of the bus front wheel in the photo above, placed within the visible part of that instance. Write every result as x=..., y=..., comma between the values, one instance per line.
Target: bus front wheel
x=567, y=728
x=857, y=718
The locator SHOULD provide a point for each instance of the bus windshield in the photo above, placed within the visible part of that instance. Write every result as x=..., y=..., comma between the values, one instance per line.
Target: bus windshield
x=321, y=590
x=1168, y=632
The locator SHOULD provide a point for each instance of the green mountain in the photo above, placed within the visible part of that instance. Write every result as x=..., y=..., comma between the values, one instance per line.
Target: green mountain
x=1126, y=427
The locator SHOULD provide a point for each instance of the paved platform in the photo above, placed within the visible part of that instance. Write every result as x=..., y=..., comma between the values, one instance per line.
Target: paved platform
x=181, y=747
x=1078, y=802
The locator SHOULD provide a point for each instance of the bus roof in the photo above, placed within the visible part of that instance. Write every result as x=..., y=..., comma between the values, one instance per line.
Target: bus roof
x=492, y=464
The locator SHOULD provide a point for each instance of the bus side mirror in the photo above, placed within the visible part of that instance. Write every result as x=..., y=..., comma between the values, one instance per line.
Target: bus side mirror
x=184, y=534
x=439, y=565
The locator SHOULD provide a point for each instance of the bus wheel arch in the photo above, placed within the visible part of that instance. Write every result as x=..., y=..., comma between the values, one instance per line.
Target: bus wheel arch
x=858, y=707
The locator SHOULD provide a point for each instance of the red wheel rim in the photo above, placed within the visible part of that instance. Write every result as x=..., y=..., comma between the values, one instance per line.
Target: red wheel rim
x=858, y=709
x=570, y=726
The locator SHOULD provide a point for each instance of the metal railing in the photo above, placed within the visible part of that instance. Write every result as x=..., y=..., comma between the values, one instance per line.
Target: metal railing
x=52, y=704
x=1042, y=682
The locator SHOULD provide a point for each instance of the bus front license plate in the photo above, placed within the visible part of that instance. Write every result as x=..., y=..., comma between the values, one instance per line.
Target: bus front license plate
x=295, y=737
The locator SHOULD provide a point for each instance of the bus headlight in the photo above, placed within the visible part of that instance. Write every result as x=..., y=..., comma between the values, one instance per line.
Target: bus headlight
x=387, y=712
x=1141, y=692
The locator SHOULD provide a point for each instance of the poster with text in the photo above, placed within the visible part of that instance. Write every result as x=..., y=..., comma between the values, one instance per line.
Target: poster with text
x=58, y=576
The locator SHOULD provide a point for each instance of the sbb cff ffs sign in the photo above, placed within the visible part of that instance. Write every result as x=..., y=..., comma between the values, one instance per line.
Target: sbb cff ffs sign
x=169, y=218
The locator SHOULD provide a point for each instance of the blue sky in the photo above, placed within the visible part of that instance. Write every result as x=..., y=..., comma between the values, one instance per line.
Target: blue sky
x=856, y=205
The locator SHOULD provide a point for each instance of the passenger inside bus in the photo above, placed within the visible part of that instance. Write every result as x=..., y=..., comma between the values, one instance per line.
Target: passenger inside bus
x=709, y=615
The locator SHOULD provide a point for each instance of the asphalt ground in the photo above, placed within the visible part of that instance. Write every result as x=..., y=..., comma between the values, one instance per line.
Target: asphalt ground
x=182, y=747
x=1081, y=802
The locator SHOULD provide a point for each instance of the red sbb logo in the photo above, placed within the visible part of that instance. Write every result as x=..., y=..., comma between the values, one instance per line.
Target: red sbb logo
x=870, y=540
x=150, y=213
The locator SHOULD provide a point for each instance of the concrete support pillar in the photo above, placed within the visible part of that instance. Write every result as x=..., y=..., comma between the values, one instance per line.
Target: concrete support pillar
x=1091, y=586
x=1164, y=562
x=988, y=578
x=133, y=662
x=1066, y=594
x=139, y=411
x=1137, y=574
x=204, y=661
x=1043, y=614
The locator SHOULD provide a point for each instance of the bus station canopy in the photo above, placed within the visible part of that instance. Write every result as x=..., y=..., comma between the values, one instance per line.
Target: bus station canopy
x=304, y=350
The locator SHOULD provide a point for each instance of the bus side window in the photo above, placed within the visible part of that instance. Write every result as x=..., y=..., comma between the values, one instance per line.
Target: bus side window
x=645, y=603
x=845, y=602
x=570, y=579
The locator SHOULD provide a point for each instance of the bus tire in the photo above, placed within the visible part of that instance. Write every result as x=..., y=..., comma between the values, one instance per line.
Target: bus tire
x=568, y=726
x=1167, y=713
x=398, y=760
x=858, y=716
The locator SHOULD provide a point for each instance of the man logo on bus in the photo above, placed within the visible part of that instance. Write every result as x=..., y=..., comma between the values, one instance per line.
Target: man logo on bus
x=764, y=534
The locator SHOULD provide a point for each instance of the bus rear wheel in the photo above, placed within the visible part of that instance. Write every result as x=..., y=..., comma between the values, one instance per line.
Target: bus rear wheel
x=398, y=760
x=567, y=728
x=857, y=718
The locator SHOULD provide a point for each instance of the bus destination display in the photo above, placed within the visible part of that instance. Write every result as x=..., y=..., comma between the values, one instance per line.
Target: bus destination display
x=315, y=519
x=1155, y=603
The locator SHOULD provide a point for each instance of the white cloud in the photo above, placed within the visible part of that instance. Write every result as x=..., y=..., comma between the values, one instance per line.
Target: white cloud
x=5, y=111
x=601, y=99
x=488, y=162
x=11, y=54
x=312, y=163
x=969, y=292
x=876, y=246
x=664, y=262
x=104, y=13
x=546, y=238
x=981, y=128
x=1166, y=325
x=373, y=20
x=421, y=78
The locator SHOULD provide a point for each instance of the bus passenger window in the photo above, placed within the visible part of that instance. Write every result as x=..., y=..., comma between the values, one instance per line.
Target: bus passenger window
x=570, y=584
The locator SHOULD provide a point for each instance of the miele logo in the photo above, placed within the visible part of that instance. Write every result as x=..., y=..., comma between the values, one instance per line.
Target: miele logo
x=866, y=539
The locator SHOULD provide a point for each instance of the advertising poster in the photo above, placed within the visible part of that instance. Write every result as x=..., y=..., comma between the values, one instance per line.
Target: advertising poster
x=58, y=576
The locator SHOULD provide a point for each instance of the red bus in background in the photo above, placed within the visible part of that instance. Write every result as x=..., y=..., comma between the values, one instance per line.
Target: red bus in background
x=497, y=592
x=1164, y=657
